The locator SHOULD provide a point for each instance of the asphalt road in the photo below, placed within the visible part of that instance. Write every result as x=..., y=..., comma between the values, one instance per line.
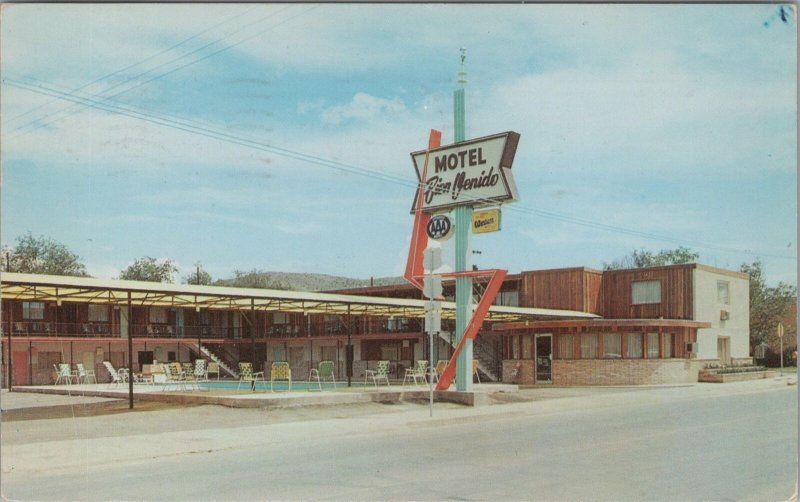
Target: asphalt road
x=707, y=442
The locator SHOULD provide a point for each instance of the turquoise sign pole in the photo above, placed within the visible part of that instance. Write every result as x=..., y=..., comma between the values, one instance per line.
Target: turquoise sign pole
x=463, y=223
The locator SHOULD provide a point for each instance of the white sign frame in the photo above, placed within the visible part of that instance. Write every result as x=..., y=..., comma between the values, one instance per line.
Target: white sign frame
x=473, y=173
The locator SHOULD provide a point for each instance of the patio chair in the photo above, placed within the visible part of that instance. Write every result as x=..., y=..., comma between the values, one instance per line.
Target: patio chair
x=381, y=372
x=84, y=375
x=188, y=371
x=418, y=371
x=280, y=372
x=175, y=376
x=200, y=370
x=475, y=370
x=246, y=374
x=117, y=377
x=441, y=365
x=322, y=372
x=212, y=369
x=63, y=373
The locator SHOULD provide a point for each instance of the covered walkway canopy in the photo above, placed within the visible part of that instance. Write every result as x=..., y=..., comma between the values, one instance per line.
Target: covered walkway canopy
x=36, y=287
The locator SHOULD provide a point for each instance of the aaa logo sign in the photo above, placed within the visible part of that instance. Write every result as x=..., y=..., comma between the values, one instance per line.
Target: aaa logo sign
x=470, y=173
x=439, y=227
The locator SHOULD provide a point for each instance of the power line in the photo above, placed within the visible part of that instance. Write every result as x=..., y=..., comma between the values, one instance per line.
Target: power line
x=188, y=126
x=133, y=65
x=39, y=125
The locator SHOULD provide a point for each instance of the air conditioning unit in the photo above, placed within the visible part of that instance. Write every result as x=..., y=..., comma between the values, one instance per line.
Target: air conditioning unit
x=724, y=315
x=691, y=347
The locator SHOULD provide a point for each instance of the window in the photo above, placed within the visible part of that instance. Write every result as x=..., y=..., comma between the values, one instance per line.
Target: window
x=612, y=345
x=723, y=292
x=634, y=349
x=646, y=292
x=33, y=310
x=390, y=352
x=280, y=318
x=652, y=346
x=158, y=315
x=98, y=313
x=668, y=345
x=589, y=346
x=145, y=357
x=507, y=298
x=566, y=346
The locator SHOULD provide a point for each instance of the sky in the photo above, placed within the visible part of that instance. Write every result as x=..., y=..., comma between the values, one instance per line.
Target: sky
x=278, y=136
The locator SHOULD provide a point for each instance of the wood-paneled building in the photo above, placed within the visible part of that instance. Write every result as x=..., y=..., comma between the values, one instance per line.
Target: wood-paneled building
x=654, y=325
x=51, y=319
x=569, y=326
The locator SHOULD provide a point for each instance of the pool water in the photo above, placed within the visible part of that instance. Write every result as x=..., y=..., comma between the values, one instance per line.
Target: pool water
x=278, y=386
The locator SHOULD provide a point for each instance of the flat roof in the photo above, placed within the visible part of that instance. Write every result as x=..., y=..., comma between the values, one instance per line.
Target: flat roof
x=601, y=323
x=16, y=286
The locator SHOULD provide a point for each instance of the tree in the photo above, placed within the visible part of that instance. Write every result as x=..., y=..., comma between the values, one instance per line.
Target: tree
x=768, y=305
x=41, y=255
x=252, y=279
x=150, y=269
x=199, y=277
x=641, y=258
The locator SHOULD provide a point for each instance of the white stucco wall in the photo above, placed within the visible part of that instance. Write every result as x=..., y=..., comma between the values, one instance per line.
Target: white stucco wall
x=707, y=308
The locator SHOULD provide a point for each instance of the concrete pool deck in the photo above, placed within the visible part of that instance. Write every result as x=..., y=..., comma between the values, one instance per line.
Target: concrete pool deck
x=92, y=394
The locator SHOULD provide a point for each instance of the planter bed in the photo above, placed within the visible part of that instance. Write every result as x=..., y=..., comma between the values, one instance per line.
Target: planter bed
x=710, y=376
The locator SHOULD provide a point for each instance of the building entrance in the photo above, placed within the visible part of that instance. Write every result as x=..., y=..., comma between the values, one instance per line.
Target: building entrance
x=544, y=351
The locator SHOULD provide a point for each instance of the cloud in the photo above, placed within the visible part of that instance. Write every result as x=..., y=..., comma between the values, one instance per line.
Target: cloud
x=364, y=107
x=651, y=113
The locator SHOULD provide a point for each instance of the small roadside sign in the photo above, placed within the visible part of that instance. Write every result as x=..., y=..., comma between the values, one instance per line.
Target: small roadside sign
x=780, y=330
x=486, y=221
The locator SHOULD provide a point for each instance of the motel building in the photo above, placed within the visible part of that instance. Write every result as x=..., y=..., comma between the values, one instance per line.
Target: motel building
x=570, y=326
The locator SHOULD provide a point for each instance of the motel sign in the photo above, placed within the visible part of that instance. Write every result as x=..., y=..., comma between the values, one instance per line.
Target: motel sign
x=469, y=173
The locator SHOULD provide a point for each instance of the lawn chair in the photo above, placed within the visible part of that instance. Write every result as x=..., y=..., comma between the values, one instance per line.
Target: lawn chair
x=381, y=372
x=175, y=376
x=246, y=374
x=475, y=370
x=418, y=371
x=200, y=370
x=188, y=371
x=280, y=372
x=117, y=377
x=324, y=371
x=441, y=365
x=213, y=369
x=63, y=373
x=84, y=375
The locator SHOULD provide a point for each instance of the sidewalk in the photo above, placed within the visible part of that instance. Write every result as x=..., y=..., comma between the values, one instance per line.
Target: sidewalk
x=57, y=399
x=21, y=400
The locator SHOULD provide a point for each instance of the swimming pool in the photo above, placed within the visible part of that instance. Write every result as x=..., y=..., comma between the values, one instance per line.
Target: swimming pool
x=278, y=386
